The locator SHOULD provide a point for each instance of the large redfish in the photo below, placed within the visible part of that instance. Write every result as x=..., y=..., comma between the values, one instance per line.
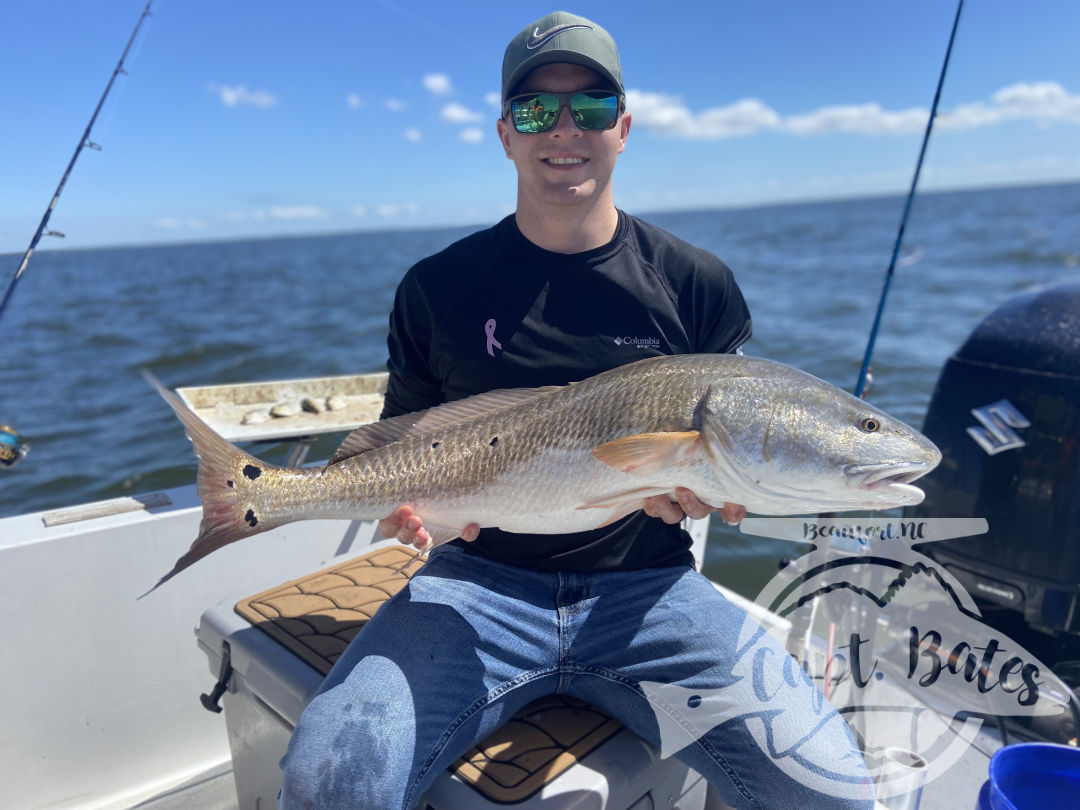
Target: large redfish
x=576, y=457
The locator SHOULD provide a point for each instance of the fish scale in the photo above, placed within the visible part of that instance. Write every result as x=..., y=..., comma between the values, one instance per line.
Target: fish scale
x=567, y=459
x=538, y=443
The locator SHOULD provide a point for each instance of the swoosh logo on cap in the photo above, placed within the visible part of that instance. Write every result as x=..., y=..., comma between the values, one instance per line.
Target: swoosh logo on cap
x=536, y=39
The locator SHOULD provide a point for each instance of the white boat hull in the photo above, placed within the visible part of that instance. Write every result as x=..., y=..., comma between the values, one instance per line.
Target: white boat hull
x=100, y=693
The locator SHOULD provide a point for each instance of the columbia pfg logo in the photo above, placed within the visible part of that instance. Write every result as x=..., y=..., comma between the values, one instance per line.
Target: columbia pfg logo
x=641, y=343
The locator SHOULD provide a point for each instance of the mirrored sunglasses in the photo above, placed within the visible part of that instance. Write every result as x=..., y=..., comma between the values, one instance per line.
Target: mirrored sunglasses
x=532, y=113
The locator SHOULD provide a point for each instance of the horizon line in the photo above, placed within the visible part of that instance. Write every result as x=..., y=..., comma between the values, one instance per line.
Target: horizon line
x=762, y=205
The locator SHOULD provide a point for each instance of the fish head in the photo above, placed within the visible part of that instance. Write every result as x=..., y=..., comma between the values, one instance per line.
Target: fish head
x=789, y=443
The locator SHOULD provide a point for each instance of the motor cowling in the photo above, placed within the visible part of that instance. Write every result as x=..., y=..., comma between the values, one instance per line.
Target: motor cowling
x=1006, y=415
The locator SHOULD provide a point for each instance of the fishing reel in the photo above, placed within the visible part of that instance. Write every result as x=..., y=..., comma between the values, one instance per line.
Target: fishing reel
x=12, y=448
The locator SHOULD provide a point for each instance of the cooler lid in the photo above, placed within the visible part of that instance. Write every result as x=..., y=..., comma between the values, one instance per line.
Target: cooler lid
x=316, y=616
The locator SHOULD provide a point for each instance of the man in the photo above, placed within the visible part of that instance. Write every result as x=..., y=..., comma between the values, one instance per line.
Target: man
x=566, y=287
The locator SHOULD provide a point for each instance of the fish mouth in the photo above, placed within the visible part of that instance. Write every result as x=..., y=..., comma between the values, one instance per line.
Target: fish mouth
x=894, y=476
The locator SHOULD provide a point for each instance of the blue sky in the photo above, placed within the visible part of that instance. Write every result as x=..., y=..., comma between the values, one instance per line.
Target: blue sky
x=263, y=117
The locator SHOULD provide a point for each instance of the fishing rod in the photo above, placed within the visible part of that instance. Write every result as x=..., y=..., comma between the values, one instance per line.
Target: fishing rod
x=864, y=371
x=802, y=633
x=84, y=142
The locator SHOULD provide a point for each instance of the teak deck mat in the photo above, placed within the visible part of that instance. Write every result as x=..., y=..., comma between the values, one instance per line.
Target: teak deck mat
x=316, y=617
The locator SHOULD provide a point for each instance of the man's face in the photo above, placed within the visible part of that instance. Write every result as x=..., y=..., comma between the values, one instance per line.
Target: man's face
x=564, y=165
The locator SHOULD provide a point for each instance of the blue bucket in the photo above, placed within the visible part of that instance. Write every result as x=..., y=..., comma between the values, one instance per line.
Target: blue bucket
x=1032, y=776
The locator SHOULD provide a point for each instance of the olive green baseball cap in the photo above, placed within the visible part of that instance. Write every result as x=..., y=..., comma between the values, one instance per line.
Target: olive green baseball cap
x=560, y=37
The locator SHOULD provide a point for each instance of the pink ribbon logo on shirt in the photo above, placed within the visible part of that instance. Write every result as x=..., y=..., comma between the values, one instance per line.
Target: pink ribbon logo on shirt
x=492, y=343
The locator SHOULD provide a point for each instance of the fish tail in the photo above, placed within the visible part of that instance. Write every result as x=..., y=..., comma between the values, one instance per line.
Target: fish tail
x=230, y=485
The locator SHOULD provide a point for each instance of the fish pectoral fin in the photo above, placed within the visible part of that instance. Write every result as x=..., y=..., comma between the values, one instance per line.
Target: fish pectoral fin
x=440, y=535
x=621, y=499
x=623, y=503
x=650, y=452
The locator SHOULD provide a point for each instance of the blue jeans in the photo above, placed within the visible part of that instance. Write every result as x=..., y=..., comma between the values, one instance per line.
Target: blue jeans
x=470, y=641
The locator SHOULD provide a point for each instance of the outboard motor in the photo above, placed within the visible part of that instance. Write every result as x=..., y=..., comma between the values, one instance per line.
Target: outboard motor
x=1006, y=416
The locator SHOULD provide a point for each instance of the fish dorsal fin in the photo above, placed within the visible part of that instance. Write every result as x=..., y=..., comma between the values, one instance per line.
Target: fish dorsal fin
x=388, y=431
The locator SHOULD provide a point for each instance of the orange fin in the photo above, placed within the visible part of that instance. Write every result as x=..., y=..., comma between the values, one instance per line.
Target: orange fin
x=227, y=496
x=402, y=567
x=622, y=499
x=650, y=452
x=440, y=535
x=623, y=503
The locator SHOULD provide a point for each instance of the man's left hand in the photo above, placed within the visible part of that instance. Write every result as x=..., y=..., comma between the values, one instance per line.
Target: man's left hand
x=688, y=505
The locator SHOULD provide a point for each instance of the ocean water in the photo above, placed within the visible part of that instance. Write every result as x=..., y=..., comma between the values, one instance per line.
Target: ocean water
x=84, y=322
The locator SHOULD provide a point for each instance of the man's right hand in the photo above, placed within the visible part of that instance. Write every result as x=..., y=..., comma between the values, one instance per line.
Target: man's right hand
x=408, y=528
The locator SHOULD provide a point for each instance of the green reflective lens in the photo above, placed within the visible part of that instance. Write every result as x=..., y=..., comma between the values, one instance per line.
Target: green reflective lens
x=538, y=112
x=595, y=110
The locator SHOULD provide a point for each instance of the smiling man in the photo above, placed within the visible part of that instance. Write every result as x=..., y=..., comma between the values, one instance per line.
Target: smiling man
x=566, y=287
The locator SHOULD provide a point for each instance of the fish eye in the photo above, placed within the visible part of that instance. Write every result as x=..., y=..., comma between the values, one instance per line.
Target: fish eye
x=869, y=424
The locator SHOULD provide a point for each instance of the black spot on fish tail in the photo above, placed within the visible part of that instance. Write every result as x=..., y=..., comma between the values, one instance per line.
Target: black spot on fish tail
x=250, y=518
x=230, y=484
x=493, y=442
x=435, y=445
x=252, y=472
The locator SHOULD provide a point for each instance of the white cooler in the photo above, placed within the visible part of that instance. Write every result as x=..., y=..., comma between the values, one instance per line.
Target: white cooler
x=272, y=650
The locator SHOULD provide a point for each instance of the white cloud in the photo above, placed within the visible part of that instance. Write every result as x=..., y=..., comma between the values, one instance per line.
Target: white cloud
x=471, y=135
x=238, y=95
x=395, y=105
x=1042, y=102
x=493, y=100
x=353, y=101
x=296, y=212
x=413, y=135
x=392, y=210
x=359, y=211
x=744, y=117
x=437, y=84
x=460, y=114
x=865, y=119
x=668, y=115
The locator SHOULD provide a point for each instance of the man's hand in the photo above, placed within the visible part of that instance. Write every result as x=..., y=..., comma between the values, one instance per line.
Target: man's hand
x=408, y=528
x=688, y=505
